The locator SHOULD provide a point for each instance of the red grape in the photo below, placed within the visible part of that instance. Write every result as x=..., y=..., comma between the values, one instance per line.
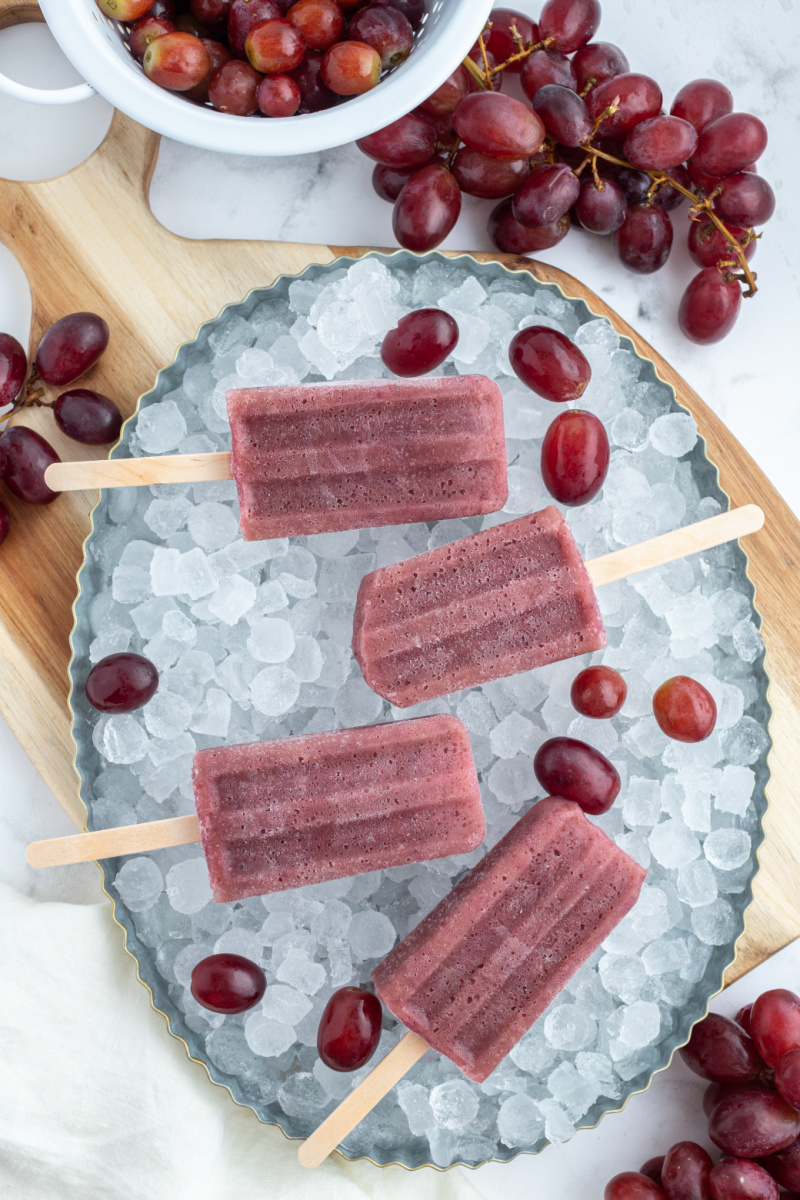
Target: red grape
x=244, y=16
x=27, y=457
x=576, y=771
x=632, y=1185
x=709, y=307
x=228, y=983
x=162, y=8
x=176, y=61
x=320, y=21
x=652, y=1168
x=5, y=523
x=71, y=346
x=660, y=142
x=448, y=94
x=701, y=102
x=644, y=239
x=426, y=209
x=420, y=342
x=785, y=1165
x=743, y=1018
x=388, y=182
x=145, y=31
x=547, y=194
x=121, y=683
x=490, y=178
x=575, y=456
x=547, y=66
x=87, y=417
x=570, y=24
x=275, y=46
x=707, y=183
x=500, y=41
x=753, y=1124
x=412, y=10
x=598, y=692
x=787, y=1077
x=386, y=29
x=124, y=10
x=730, y=143
x=634, y=184
x=686, y=712
x=740, y=1179
x=278, y=96
x=186, y=23
x=512, y=238
x=308, y=77
x=685, y=1173
x=639, y=98
x=601, y=210
x=498, y=125
x=212, y=13
x=596, y=63
x=775, y=1024
x=349, y=1029
x=218, y=54
x=549, y=363
x=708, y=245
x=563, y=113
x=407, y=142
x=720, y=1091
x=667, y=196
x=233, y=88
x=13, y=369
x=745, y=199
x=351, y=68
x=718, y=1048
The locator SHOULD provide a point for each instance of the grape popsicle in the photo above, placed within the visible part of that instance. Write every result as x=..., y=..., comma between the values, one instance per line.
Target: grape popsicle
x=301, y=810
x=321, y=457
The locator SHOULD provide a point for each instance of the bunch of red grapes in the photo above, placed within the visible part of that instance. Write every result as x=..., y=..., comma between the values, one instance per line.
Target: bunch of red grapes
x=753, y=1109
x=591, y=147
x=271, y=58
x=69, y=348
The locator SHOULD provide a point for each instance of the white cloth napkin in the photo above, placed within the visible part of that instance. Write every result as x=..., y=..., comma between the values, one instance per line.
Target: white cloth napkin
x=98, y=1100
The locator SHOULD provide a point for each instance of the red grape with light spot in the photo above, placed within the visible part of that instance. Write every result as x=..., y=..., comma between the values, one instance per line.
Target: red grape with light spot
x=709, y=307
x=121, y=683
x=775, y=1024
x=639, y=98
x=351, y=68
x=233, y=88
x=740, y=1179
x=598, y=692
x=278, y=96
x=718, y=1048
x=686, y=712
x=601, y=210
x=512, y=238
x=27, y=457
x=575, y=771
x=13, y=369
x=498, y=125
x=660, y=142
x=88, y=417
x=686, y=1170
x=479, y=175
x=787, y=1077
x=420, y=342
x=71, y=346
x=213, y=13
x=124, y=10
x=407, y=142
x=549, y=363
x=785, y=1166
x=385, y=29
x=349, y=1029
x=244, y=16
x=632, y=1185
x=146, y=30
x=308, y=76
x=569, y=23
x=708, y=244
x=320, y=21
x=276, y=46
x=745, y=199
x=176, y=61
x=544, y=67
x=228, y=983
x=730, y=143
x=596, y=63
x=753, y=1124
x=547, y=194
x=575, y=457
x=389, y=182
x=701, y=102
x=563, y=113
x=426, y=209
x=644, y=239
x=715, y=1092
x=218, y=54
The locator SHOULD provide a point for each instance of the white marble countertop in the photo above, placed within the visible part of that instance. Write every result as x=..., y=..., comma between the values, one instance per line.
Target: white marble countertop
x=750, y=380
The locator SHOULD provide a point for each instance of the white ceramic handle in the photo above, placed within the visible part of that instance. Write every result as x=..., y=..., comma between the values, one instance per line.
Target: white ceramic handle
x=70, y=95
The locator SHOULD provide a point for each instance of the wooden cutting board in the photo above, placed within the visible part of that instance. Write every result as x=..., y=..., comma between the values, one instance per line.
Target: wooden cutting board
x=88, y=241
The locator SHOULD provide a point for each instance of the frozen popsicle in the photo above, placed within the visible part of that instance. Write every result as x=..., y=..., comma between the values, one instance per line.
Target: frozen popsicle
x=504, y=600
x=345, y=455
x=281, y=814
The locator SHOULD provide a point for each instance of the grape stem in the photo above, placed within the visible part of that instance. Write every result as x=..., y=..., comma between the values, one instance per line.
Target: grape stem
x=484, y=77
x=31, y=397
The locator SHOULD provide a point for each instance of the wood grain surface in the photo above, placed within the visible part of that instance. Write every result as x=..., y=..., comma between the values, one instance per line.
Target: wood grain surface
x=88, y=241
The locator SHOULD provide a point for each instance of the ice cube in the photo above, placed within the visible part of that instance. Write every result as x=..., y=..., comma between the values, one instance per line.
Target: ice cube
x=139, y=883
x=665, y=955
x=696, y=883
x=166, y=516
x=234, y=597
x=240, y=941
x=340, y=963
x=267, y=1037
x=193, y=575
x=188, y=889
x=214, y=717
x=121, y=739
x=569, y=1027
x=454, y=1104
x=520, y=1121
x=734, y=790
x=300, y=972
x=228, y=1051
x=523, y=415
x=715, y=924
x=160, y=427
x=515, y=734
x=284, y=1003
x=571, y=1089
x=274, y=690
x=512, y=781
x=166, y=715
x=339, y=577
x=525, y=490
x=673, y=434
x=271, y=640
x=727, y=849
x=306, y=660
x=622, y=975
x=112, y=639
x=746, y=743
x=212, y=525
x=302, y=1095
x=641, y=804
x=641, y=1023
x=357, y=704
x=370, y=934
x=673, y=844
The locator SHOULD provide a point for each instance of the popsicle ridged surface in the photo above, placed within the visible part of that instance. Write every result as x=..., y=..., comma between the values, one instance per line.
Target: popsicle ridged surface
x=363, y=453
x=477, y=972
x=504, y=600
x=285, y=813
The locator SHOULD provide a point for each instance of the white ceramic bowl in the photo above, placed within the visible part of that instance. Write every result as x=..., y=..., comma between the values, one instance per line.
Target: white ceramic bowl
x=94, y=46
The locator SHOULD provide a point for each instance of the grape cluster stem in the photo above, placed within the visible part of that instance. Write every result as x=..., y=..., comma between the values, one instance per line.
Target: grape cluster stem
x=31, y=397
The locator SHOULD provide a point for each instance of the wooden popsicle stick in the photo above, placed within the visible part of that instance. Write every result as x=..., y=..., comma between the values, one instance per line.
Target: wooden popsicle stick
x=363, y=1098
x=135, y=472
x=679, y=543
x=109, y=843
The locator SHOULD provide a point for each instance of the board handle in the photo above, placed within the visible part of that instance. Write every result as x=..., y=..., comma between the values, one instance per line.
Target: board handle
x=138, y=472
x=363, y=1098
x=109, y=843
x=679, y=543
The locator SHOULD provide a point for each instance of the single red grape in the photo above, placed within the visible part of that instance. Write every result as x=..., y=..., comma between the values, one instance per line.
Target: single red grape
x=544, y=67
x=145, y=31
x=308, y=77
x=412, y=10
x=660, y=142
x=13, y=369
x=639, y=98
x=72, y=345
x=707, y=183
x=632, y=1185
x=745, y=199
x=740, y=1179
x=686, y=1171
x=652, y=1168
x=349, y=1029
x=512, y=238
x=121, y=683
x=87, y=417
x=407, y=142
x=389, y=182
x=320, y=21
x=218, y=54
x=124, y=10
x=498, y=125
x=548, y=192
x=667, y=196
x=351, y=68
x=244, y=16
x=709, y=307
x=162, y=8
x=601, y=210
x=644, y=239
x=718, y=1048
x=27, y=457
x=701, y=102
x=549, y=363
x=598, y=692
x=275, y=46
x=228, y=983
x=634, y=184
x=570, y=24
x=420, y=342
x=715, y=1092
x=575, y=457
x=753, y=1124
x=743, y=1018
x=730, y=143
x=575, y=771
x=278, y=96
x=479, y=175
x=787, y=1077
x=686, y=712
x=785, y=1166
x=596, y=63
x=708, y=245
x=176, y=61
x=500, y=40
x=443, y=101
x=563, y=113
x=426, y=209
x=213, y=13
x=775, y=1024
x=386, y=29
x=233, y=88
